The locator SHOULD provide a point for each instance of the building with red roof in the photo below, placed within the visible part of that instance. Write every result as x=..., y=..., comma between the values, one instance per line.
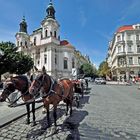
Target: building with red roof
x=124, y=53
x=46, y=48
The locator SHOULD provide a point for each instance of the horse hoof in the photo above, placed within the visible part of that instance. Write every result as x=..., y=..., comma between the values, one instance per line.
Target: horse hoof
x=33, y=124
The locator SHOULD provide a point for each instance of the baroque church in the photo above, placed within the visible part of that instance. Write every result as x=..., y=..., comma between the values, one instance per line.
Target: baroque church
x=58, y=57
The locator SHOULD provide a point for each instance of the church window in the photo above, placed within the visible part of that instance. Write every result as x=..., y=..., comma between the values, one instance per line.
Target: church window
x=45, y=59
x=55, y=59
x=65, y=63
x=73, y=63
x=34, y=41
x=54, y=33
x=41, y=35
x=46, y=33
x=26, y=43
x=50, y=33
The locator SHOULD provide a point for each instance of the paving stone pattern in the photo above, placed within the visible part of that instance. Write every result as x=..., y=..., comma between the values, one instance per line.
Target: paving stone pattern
x=106, y=113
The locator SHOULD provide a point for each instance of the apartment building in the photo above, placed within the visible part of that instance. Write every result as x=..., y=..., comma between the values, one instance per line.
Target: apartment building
x=124, y=53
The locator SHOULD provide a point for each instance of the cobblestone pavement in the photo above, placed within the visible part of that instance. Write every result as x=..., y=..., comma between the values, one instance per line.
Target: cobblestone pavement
x=106, y=113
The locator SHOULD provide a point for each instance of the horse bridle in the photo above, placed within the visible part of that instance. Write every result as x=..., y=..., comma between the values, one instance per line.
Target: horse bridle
x=41, y=84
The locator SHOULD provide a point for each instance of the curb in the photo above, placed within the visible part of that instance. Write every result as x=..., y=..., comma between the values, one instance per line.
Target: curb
x=18, y=117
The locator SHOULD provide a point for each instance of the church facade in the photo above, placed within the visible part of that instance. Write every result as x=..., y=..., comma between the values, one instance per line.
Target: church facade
x=45, y=47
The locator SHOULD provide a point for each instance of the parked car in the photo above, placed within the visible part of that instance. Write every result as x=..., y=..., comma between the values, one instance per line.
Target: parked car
x=100, y=81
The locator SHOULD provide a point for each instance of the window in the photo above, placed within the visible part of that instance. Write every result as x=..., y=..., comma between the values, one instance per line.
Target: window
x=130, y=60
x=129, y=48
x=138, y=60
x=41, y=35
x=34, y=41
x=65, y=63
x=128, y=37
x=119, y=49
x=138, y=48
x=26, y=43
x=45, y=49
x=118, y=38
x=55, y=59
x=50, y=33
x=73, y=63
x=20, y=43
x=54, y=33
x=137, y=37
x=38, y=62
x=46, y=33
x=45, y=59
x=122, y=61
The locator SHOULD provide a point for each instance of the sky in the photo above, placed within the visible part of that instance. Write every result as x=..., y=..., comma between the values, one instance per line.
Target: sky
x=88, y=25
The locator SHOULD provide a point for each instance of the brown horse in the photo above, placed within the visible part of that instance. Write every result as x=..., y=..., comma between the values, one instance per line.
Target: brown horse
x=21, y=84
x=53, y=92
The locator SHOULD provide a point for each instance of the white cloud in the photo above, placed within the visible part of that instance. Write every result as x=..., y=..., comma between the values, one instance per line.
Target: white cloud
x=83, y=18
x=132, y=9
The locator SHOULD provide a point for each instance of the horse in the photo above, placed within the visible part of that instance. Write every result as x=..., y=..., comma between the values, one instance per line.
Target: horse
x=21, y=84
x=52, y=93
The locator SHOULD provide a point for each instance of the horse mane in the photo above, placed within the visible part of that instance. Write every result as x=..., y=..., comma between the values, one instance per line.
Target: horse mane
x=23, y=78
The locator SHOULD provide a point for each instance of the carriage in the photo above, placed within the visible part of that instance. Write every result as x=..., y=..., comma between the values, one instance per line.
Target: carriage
x=78, y=91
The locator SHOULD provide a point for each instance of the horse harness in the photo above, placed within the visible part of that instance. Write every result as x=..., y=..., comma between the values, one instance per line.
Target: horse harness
x=51, y=89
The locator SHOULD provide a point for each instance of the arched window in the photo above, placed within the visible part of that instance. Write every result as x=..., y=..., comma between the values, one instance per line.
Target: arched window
x=51, y=34
x=65, y=63
x=45, y=59
x=26, y=43
x=34, y=41
x=20, y=43
x=54, y=33
x=73, y=63
x=46, y=33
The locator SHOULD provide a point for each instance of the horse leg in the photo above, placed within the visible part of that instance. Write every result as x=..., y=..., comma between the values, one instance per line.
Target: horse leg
x=71, y=101
x=28, y=113
x=48, y=116
x=55, y=115
x=33, y=112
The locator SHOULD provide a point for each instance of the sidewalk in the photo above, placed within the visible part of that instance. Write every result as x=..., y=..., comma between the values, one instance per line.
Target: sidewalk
x=8, y=114
x=120, y=83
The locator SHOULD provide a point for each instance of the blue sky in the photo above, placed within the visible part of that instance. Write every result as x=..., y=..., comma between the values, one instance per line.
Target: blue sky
x=87, y=24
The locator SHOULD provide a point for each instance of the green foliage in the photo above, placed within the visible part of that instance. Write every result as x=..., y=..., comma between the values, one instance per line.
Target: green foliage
x=12, y=61
x=88, y=69
x=104, y=69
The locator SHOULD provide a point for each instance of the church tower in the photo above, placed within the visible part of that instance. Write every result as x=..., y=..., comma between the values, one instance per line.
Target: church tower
x=22, y=37
x=50, y=26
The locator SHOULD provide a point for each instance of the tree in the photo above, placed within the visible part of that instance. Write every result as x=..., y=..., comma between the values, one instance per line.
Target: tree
x=104, y=69
x=12, y=61
x=88, y=69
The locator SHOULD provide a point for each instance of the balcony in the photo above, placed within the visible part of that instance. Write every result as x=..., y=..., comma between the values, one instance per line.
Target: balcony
x=121, y=53
x=129, y=42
